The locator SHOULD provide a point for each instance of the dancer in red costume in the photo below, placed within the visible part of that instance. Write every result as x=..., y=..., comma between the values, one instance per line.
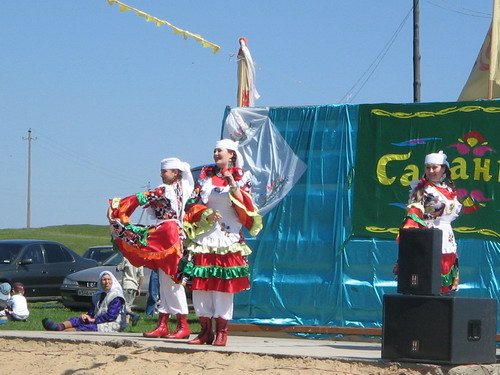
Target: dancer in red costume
x=221, y=204
x=433, y=203
x=158, y=246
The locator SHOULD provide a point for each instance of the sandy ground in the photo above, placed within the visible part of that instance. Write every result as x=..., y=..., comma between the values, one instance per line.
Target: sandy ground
x=22, y=357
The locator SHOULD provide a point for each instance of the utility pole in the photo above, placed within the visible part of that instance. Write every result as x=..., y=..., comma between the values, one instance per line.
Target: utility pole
x=416, y=51
x=28, y=200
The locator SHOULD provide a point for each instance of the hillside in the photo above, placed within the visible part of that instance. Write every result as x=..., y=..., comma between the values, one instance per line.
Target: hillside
x=76, y=237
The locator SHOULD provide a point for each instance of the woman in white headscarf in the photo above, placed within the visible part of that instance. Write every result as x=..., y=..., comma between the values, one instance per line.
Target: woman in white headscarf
x=106, y=313
x=220, y=206
x=159, y=245
x=433, y=203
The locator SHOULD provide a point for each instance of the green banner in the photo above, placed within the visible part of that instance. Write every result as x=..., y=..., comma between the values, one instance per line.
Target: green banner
x=393, y=140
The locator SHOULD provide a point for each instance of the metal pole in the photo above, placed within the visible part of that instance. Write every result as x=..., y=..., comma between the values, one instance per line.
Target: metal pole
x=416, y=52
x=28, y=201
x=493, y=49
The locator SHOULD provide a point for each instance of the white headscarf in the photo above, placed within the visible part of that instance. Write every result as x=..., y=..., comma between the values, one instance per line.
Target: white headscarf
x=187, y=177
x=116, y=287
x=115, y=291
x=233, y=146
x=438, y=158
x=101, y=307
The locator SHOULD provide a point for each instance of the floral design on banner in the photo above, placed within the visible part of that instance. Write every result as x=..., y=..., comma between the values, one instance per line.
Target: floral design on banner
x=472, y=201
x=185, y=34
x=274, y=188
x=472, y=141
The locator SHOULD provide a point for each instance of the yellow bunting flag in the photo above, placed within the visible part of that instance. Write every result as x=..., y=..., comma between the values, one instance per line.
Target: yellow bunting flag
x=185, y=34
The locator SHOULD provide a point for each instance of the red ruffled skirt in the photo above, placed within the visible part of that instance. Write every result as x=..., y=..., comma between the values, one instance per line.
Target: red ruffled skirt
x=163, y=249
x=223, y=273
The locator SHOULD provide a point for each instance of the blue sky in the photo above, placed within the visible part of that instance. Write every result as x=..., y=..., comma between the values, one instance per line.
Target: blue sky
x=107, y=95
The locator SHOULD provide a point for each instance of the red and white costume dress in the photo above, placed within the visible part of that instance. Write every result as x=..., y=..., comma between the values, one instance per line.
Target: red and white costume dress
x=437, y=209
x=157, y=246
x=218, y=251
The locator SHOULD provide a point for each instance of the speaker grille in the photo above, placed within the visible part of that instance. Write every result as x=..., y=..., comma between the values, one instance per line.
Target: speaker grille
x=419, y=261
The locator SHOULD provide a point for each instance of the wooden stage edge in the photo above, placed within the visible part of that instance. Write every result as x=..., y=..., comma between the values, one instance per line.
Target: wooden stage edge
x=283, y=329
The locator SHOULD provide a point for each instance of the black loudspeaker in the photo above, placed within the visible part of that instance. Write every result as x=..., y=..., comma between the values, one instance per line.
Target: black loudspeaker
x=419, y=261
x=439, y=329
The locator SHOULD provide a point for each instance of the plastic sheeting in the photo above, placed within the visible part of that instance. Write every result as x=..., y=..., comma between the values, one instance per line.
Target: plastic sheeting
x=276, y=168
x=296, y=267
x=306, y=269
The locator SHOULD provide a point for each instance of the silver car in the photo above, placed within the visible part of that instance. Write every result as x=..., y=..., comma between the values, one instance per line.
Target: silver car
x=78, y=288
x=101, y=254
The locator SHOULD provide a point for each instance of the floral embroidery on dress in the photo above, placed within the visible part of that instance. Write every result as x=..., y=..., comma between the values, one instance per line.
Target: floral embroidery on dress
x=123, y=232
x=226, y=229
x=162, y=206
x=242, y=238
x=451, y=237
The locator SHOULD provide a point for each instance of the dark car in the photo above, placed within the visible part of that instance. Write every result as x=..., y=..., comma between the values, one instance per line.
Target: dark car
x=77, y=288
x=40, y=265
x=101, y=254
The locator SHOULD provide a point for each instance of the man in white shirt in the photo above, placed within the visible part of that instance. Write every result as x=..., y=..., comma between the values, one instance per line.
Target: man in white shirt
x=131, y=285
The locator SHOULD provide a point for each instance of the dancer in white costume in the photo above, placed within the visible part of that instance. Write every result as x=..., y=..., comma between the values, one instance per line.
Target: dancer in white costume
x=221, y=204
x=433, y=203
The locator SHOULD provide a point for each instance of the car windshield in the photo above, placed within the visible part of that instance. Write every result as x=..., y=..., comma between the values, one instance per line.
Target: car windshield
x=114, y=261
x=8, y=252
x=100, y=254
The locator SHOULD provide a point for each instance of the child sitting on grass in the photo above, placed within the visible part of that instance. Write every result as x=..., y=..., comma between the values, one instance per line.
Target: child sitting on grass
x=17, y=305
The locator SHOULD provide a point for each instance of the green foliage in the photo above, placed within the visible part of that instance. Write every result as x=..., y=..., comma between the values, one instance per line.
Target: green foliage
x=59, y=313
x=38, y=311
x=76, y=237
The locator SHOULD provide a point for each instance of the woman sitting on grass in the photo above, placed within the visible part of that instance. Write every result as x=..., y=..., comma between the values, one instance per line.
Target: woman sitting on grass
x=106, y=314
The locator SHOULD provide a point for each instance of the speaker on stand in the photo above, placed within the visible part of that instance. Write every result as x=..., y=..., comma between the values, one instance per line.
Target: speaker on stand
x=419, y=261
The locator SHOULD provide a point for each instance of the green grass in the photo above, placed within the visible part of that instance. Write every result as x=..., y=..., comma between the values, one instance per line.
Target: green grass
x=59, y=313
x=76, y=237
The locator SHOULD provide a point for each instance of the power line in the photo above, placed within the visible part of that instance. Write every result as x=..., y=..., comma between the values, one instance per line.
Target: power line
x=47, y=143
x=460, y=10
x=375, y=63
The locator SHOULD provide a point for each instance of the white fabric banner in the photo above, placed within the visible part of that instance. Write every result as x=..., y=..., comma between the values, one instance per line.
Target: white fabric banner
x=247, y=89
x=274, y=166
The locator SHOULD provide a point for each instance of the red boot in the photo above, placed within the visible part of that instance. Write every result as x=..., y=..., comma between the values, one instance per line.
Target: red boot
x=221, y=330
x=182, y=331
x=161, y=327
x=206, y=336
